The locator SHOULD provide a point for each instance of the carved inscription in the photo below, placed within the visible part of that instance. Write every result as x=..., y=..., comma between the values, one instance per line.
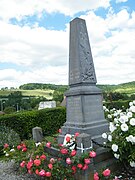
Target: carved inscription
x=87, y=67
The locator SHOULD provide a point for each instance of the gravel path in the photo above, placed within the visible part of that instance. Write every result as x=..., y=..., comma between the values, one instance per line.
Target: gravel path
x=7, y=172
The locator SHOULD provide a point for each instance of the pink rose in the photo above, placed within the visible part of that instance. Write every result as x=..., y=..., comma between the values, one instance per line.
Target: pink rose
x=43, y=157
x=37, y=171
x=68, y=138
x=48, y=174
x=80, y=166
x=48, y=144
x=106, y=172
x=92, y=154
x=29, y=165
x=6, y=146
x=50, y=166
x=64, y=151
x=60, y=131
x=74, y=169
x=85, y=167
x=87, y=161
x=77, y=134
x=73, y=153
x=52, y=160
x=68, y=161
x=42, y=172
x=24, y=149
x=22, y=164
x=19, y=147
x=96, y=177
x=37, y=162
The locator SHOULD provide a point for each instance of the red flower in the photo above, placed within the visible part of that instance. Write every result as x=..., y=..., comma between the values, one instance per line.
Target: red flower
x=87, y=161
x=29, y=171
x=48, y=144
x=68, y=161
x=37, y=157
x=52, y=160
x=37, y=162
x=19, y=147
x=96, y=177
x=22, y=164
x=60, y=131
x=106, y=172
x=85, y=167
x=68, y=138
x=48, y=174
x=24, y=149
x=29, y=165
x=80, y=166
x=92, y=154
x=6, y=146
x=74, y=169
x=37, y=171
x=43, y=157
x=64, y=151
x=42, y=172
x=50, y=166
x=77, y=134
x=73, y=153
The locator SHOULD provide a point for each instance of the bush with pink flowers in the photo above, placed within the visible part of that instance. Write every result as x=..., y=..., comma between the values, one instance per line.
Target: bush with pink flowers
x=31, y=158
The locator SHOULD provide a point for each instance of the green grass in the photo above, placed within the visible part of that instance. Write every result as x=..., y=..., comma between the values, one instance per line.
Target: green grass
x=36, y=93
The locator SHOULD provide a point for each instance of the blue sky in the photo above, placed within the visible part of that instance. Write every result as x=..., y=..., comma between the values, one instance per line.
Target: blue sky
x=34, y=40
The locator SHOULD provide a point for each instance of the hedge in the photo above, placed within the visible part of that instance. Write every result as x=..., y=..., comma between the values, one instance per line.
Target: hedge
x=117, y=104
x=50, y=120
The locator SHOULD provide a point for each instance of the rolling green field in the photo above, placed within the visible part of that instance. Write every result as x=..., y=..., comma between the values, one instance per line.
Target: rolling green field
x=36, y=93
x=127, y=88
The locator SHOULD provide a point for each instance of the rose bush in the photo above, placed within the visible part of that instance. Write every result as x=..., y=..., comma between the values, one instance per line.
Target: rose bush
x=121, y=137
x=32, y=158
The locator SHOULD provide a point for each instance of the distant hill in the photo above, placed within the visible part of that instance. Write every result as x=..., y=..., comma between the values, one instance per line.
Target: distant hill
x=46, y=90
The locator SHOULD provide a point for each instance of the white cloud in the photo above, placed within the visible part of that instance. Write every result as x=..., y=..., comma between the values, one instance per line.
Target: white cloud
x=120, y=1
x=44, y=53
x=18, y=9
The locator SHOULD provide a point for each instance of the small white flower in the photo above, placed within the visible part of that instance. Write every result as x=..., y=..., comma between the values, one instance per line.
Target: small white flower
x=115, y=147
x=12, y=150
x=132, y=163
x=130, y=103
x=112, y=127
x=132, y=108
x=132, y=121
x=115, y=120
x=6, y=154
x=123, y=119
x=124, y=127
x=129, y=114
x=116, y=156
x=38, y=144
x=110, y=138
x=109, y=116
x=104, y=108
x=104, y=135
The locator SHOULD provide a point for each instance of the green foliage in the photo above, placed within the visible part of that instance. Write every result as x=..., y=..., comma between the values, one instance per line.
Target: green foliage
x=9, y=136
x=50, y=120
x=32, y=86
x=58, y=96
x=117, y=104
x=9, y=110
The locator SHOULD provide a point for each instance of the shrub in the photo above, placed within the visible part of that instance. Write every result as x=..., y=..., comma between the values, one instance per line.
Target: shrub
x=48, y=119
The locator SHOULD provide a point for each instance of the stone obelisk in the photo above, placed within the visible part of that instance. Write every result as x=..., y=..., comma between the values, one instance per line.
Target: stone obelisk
x=83, y=99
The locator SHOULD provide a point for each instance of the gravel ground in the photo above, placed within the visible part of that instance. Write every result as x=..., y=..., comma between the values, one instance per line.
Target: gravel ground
x=8, y=172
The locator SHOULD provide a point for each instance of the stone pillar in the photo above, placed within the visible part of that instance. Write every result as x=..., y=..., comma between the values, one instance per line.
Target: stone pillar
x=37, y=134
x=83, y=99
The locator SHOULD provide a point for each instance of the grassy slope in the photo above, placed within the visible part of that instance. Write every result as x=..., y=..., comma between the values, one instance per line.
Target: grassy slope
x=128, y=88
x=37, y=92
